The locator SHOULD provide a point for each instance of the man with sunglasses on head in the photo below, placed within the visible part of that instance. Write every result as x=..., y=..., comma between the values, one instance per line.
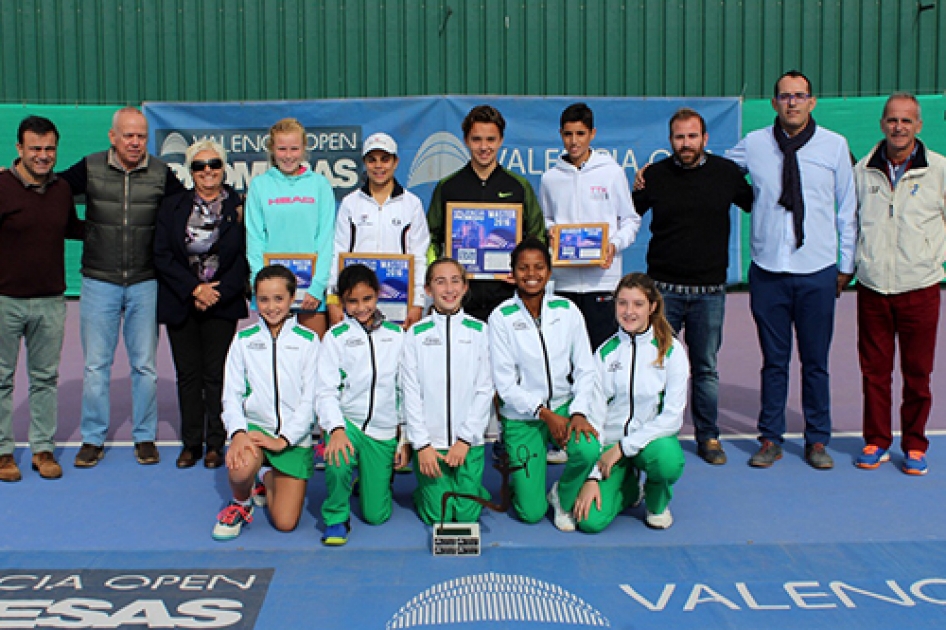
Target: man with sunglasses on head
x=803, y=214
x=123, y=188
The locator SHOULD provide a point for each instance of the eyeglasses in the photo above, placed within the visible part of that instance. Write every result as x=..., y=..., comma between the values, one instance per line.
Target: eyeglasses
x=198, y=165
x=787, y=97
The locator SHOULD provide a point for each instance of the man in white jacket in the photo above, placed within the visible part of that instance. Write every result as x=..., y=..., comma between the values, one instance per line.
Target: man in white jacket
x=588, y=186
x=901, y=246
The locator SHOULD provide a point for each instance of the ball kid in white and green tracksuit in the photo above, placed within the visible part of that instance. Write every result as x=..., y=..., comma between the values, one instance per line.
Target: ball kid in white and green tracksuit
x=447, y=392
x=357, y=406
x=546, y=380
x=644, y=373
x=268, y=398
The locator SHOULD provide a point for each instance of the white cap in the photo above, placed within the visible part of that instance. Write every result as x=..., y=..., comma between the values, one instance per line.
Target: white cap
x=380, y=141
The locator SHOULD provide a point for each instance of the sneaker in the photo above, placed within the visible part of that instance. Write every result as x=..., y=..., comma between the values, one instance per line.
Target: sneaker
x=147, y=453
x=915, y=463
x=259, y=495
x=712, y=452
x=563, y=520
x=89, y=455
x=336, y=535
x=871, y=457
x=768, y=454
x=817, y=457
x=659, y=521
x=556, y=456
x=46, y=465
x=9, y=471
x=230, y=520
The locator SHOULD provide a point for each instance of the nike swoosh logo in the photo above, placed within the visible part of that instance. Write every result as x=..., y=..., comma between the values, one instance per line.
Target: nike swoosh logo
x=503, y=195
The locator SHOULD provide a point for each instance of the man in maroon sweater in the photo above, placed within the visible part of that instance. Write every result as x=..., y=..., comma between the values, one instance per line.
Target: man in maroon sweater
x=37, y=214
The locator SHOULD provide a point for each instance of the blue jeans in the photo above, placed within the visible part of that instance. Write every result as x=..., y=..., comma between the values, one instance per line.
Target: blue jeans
x=779, y=302
x=103, y=305
x=701, y=318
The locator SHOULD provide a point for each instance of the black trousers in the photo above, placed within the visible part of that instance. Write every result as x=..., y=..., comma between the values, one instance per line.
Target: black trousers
x=598, y=310
x=199, y=347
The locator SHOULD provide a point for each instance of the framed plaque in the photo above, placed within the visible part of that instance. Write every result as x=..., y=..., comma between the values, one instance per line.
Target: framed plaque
x=579, y=244
x=480, y=236
x=395, y=274
x=302, y=265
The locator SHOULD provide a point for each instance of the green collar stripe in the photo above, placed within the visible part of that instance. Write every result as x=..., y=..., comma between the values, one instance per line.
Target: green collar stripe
x=249, y=332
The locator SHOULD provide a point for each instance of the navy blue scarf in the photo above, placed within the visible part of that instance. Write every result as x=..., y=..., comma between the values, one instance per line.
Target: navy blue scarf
x=791, y=198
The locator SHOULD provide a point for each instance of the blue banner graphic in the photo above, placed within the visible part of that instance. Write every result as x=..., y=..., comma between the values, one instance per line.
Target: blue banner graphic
x=430, y=141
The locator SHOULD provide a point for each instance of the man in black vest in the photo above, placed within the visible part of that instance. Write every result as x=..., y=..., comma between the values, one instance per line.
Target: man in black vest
x=123, y=189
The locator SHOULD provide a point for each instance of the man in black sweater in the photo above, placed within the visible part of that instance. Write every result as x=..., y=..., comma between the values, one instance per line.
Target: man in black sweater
x=690, y=194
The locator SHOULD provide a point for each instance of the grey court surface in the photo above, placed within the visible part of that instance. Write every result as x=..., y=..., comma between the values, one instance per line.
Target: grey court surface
x=128, y=546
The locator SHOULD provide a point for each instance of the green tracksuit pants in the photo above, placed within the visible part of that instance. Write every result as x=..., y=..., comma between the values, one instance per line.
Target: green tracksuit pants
x=466, y=479
x=375, y=462
x=526, y=443
x=661, y=463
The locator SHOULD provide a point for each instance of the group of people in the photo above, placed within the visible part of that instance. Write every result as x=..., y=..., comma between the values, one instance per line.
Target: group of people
x=593, y=368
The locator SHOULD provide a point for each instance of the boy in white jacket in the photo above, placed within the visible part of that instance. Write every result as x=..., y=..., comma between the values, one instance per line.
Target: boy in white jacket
x=447, y=389
x=268, y=395
x=588, y=186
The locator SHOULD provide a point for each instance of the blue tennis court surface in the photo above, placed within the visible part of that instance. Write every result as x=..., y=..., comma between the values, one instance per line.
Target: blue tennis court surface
x=123, y=545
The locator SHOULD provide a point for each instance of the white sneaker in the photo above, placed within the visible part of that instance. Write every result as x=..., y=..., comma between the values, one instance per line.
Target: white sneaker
x=563, y=520
x=556, y=456
x=659, y=521
x=231, y=519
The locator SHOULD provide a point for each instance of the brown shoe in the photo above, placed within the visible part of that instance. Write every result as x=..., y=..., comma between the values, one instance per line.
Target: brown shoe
x=89, y=455
x=186, y=459
x=9, y=471
x=147, y=453
x=46, y=465
x=213, y=459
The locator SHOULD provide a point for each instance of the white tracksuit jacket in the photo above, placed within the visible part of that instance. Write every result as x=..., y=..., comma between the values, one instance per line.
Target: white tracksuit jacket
x=598, y=192
x=399, y=226
x=532, y=366
x=445, y=381
x=272, y=383
x=643, y=401
x=357, y=378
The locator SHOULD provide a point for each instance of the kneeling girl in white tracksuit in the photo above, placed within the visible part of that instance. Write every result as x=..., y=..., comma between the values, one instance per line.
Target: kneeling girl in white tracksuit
x=268, y=396
x=644, y=373
x=447, y=392
x=357, y=406
x=546, y=380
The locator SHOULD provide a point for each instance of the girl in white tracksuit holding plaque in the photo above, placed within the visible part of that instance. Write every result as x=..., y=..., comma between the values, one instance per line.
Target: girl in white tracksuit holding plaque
x=447, y=392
